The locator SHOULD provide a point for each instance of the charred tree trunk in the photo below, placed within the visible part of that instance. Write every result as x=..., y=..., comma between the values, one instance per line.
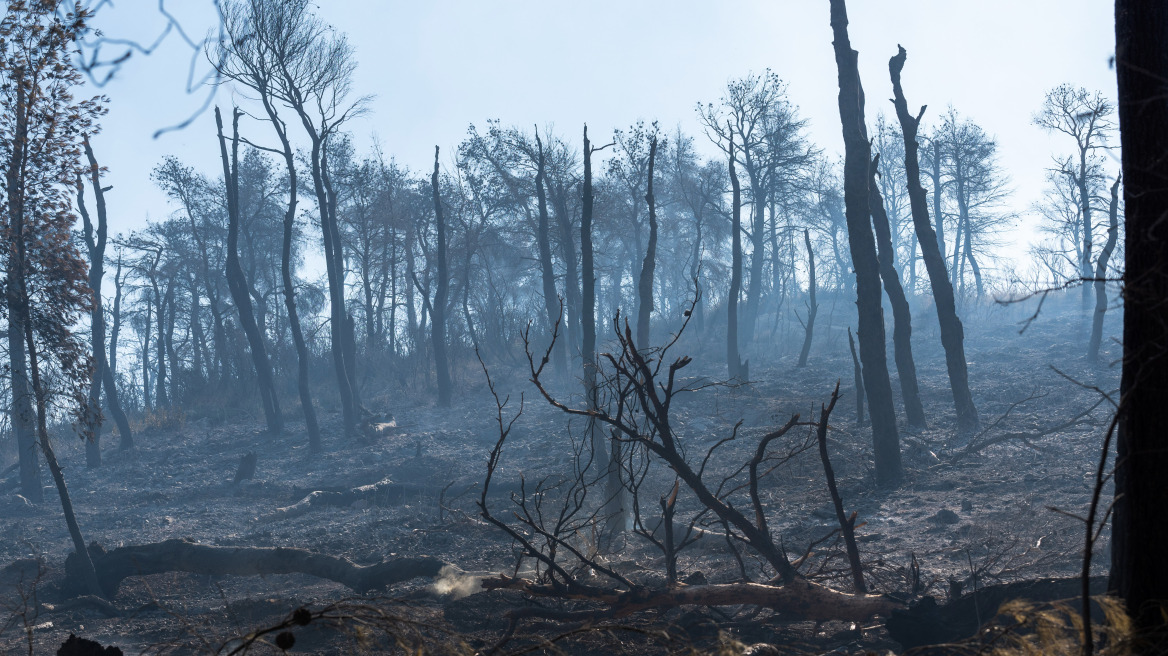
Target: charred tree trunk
x=812, y=306
x=336, y=279
x=543, y=239
x=952, y=333
x=1100, y=282
x=906, y=368
x=185, y=556
x=733, y=359
x=1139, y=571
x=311, y=423
x=571, y=273
x=857, y=371
x=238, y=284
x=935, y=175
x=126, y=438
x=161, y=397
x=758, y=252
x=95, y=240
x=645, y=284
x=88, y=574
x=438, y=311
x=857, y=153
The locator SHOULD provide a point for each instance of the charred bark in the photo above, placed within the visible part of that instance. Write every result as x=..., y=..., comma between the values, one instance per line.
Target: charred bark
x=857, y=154
x=438, y=311
x=906, y=368
x=734, y=363
x=1139, y=571
x=812, y=306
x=238, y=283
x=645, y=284
x=952, y=332
x=543, y=240
x=1100, y=282
x=95, y=241
x=184, y=556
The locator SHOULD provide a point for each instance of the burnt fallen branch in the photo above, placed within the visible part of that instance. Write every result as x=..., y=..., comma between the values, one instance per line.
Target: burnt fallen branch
x=115, y=566
x=802, y=599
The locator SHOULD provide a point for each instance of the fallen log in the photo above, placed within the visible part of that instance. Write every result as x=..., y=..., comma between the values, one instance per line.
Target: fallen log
x=185, y=556
x=929, y=623
x=802, y=599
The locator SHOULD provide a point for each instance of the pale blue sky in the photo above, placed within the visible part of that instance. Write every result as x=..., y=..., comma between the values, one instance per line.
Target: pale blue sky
x=434, y=67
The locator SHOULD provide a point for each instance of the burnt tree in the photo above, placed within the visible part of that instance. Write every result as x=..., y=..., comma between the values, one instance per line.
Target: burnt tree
x=237, y=282
x=543, y=240
x=1100, y=282
x=857, y=154
x=906, y=368
x=1139, y=571
x=649, y=264
x=103, y=376
x=952, y=332
x=812, y=306
x=438, y=311
x=736, y=368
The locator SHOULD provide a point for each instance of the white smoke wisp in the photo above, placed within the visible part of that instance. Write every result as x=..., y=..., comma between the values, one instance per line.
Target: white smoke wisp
x=455, y=583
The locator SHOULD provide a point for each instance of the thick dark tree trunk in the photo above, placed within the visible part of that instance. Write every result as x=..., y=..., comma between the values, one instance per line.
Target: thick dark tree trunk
x=952, y=333
x=543, y=240
x=649, y=265
x=857, y=153
x=1100, y=282
x=906, y=368
x=1139, y=570
x=438, y=311
x=812, y=306
x=238, y=284
x=734, y=364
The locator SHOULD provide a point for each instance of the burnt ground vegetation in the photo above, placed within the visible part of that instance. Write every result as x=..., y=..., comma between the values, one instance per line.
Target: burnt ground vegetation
x=974, y=510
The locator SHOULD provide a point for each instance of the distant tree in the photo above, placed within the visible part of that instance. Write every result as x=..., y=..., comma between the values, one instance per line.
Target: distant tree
x=96, y=235
x=237, y=280
x=312, y=69
x=979, y=188
x=245, y=56
x=1100, y=282
x=772, y=149
x=736, y=369
x=438, y=311
x=645, y=283
x=1085, y=117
